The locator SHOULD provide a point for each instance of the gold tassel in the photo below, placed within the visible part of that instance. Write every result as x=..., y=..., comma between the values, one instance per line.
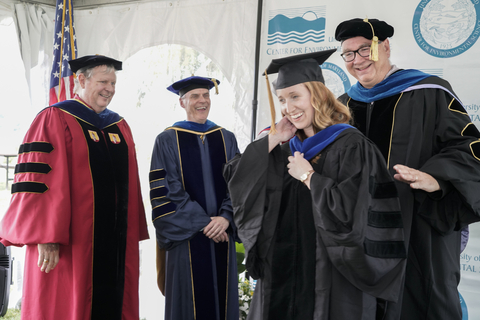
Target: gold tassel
x=374, y=45
x=272, y=105
x=374, y=49
x=216, y=85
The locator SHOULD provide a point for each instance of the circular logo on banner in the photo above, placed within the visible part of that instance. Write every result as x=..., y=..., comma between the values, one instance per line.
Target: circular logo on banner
x=335, y=78
x=446, y=28
x=464, y=308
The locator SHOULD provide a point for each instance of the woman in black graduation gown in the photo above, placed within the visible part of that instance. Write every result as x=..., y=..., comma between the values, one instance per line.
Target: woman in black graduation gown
x=319, y=216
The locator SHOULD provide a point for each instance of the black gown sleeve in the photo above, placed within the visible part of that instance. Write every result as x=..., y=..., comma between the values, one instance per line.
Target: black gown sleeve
x=357, y=213
x=255, y=181
x=455, y=163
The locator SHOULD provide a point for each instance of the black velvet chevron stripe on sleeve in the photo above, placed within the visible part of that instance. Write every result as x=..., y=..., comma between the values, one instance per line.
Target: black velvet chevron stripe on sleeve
x=158, y=192
x=32, y=167
x=382, y=190
x=44, y=147
x=384, y=219
x=157, y=175
x=163, y=209
x=385, y=249
x=384, y=213
x=29, y=187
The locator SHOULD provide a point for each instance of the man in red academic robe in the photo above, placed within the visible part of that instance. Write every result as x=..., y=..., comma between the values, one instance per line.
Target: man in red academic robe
x=76, y=205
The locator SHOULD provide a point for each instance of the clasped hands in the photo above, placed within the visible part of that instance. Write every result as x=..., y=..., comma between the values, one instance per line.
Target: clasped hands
x=216, y=229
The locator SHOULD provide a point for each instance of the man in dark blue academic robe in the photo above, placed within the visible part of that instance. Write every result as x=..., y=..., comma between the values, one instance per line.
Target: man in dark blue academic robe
x=192, y=211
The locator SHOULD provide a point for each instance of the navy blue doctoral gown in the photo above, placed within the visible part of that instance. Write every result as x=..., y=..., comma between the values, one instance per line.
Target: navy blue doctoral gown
x=187, y=188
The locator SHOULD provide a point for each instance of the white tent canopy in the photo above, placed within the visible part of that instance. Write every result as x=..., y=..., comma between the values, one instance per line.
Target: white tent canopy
x=121, y=28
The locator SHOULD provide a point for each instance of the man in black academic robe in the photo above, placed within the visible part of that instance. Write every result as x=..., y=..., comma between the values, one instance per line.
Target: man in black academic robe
x=432, y=149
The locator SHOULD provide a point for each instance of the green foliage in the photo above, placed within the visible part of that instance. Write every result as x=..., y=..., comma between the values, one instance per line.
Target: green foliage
x=12, y=314
x=240, y=258
x=245, y=287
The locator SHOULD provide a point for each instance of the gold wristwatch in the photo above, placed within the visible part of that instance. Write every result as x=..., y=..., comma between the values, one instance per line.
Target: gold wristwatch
x=305, y=176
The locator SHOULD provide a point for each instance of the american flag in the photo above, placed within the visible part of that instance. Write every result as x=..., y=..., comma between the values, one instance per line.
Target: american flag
x=64, y=49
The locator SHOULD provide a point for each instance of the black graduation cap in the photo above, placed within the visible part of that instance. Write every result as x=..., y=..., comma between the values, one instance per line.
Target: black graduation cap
x=367, y=29
x=299, y=68
x=293, y=70
x=93, y=61
x=194, y=82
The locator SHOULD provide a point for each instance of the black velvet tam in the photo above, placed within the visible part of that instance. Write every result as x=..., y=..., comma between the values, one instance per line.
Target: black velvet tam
x=93, y=61
x=360, y=28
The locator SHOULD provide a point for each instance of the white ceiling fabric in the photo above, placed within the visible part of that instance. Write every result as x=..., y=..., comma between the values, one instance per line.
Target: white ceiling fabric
x=222, y=30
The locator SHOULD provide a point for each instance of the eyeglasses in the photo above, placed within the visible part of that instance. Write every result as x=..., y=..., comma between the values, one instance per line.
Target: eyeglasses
x=362, y=52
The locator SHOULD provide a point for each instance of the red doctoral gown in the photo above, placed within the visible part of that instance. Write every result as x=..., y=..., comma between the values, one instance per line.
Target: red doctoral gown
x=76, y=184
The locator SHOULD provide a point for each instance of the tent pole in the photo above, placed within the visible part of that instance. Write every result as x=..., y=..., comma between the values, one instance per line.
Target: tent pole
x=256, y=72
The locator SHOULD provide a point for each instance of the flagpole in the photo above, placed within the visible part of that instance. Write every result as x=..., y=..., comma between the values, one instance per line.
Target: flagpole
x=256, y=70
x=64, y=47
x=72, y=37
x=61, y=52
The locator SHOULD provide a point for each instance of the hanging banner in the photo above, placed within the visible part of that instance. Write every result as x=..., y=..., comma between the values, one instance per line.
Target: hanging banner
x=435, y=36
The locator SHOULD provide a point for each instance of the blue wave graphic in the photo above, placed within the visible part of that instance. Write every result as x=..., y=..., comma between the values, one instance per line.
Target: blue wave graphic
x=281, y=23
x=297, y=39
x=282, y=29
x=281, y=34
x=300, y=42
